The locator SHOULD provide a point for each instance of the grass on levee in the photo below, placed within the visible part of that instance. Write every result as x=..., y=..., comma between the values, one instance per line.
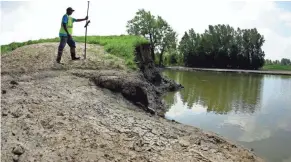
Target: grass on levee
x=121, y=46
x=277, y=67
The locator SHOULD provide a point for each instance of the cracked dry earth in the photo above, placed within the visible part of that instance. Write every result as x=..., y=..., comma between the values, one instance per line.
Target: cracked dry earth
x=57, y=116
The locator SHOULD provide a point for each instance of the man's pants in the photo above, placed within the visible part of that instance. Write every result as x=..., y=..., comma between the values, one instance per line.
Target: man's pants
x=64, y=40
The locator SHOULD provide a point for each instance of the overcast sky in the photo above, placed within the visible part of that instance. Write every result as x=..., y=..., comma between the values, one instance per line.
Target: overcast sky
x=26, y=20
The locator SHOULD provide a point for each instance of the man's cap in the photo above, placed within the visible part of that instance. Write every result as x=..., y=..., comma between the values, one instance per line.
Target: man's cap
x=70, y=9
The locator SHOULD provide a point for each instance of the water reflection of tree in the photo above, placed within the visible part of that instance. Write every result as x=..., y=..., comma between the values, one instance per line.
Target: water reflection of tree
x=218, y=92
x=170, y=98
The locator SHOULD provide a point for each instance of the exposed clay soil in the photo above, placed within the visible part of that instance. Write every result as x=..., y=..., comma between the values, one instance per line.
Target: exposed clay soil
x=52, y=113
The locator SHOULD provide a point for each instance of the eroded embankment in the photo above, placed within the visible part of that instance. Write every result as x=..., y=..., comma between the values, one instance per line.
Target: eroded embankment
x=61, y=115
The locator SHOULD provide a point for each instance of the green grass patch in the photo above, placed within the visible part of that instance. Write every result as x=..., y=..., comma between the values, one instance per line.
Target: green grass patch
x=121, y=46
x=277, y=67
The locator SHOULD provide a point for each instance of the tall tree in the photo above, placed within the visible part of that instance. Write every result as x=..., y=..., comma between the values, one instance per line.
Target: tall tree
x=143, y=24
x=166, y=38
x=160, y=34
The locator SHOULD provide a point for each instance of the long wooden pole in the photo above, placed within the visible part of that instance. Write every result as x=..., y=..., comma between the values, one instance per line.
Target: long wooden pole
x=87, y=22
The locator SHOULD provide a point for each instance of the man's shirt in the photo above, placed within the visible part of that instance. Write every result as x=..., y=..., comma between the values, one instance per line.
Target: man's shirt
x=65, y=20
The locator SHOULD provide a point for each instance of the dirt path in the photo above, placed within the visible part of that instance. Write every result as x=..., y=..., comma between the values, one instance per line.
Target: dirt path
x=277, y=72
x=57, y=115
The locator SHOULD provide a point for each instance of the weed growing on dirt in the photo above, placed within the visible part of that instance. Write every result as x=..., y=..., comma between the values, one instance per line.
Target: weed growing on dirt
x=121, y=46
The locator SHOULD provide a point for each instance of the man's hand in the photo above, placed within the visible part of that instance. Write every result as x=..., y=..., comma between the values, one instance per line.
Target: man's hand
x=78, y=20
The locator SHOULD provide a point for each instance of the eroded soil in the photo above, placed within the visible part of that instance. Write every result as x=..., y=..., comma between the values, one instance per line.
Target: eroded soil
x=61, y=115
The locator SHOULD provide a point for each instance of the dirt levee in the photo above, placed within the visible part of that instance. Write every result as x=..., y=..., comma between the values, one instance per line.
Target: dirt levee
x=94, y=110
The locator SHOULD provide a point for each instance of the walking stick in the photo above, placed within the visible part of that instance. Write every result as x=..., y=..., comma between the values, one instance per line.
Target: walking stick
x=87, y=23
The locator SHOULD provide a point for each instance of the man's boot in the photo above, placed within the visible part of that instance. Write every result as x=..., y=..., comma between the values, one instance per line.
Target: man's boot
x=73, y=54
x=59, y=56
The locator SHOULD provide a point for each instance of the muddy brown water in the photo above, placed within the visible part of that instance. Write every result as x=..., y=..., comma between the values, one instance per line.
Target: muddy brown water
x=251, y=109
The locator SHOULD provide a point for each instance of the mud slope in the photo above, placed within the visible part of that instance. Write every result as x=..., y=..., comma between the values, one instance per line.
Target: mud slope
x=54, y=113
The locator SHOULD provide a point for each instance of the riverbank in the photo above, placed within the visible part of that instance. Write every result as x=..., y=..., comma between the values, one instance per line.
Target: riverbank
x=95, y=110
x=272, y=72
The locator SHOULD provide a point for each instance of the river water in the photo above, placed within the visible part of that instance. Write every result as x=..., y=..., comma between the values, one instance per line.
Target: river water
x=253, y=110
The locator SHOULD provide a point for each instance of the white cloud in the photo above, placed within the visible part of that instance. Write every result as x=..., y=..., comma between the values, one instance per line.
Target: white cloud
x=41, y=19
x=248, y=124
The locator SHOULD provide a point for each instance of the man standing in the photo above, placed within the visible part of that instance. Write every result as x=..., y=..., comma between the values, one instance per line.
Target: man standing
x=65, y=35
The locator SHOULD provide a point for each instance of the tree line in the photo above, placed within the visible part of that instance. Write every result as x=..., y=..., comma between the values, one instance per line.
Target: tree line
x=284, y=61
x=220, y=46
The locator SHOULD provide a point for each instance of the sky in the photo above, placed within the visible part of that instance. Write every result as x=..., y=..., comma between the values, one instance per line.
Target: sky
x=30, y=20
